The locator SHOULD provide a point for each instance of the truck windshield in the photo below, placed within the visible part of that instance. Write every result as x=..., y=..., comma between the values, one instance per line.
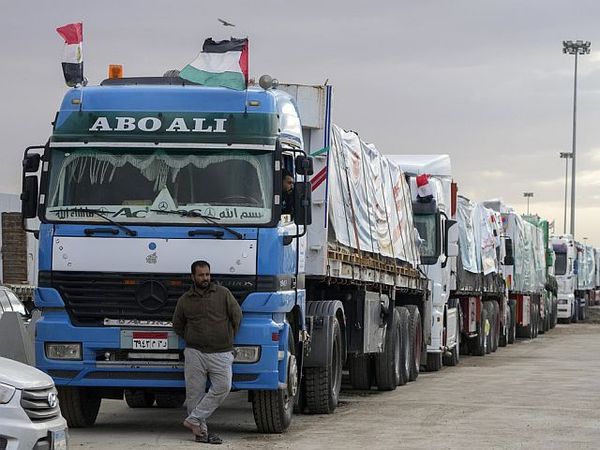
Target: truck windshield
x=142, y=185
x=560, y=265
x=426, y=226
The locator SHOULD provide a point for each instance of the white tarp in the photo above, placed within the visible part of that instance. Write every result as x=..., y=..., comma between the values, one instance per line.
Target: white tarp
x=369, y=198
x=585, y=267
x=529, y=254
x=477, y=238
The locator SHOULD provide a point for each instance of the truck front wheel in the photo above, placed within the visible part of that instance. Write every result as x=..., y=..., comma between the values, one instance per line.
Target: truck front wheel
x=273, y=410
x=79, y=406
x=139, y=398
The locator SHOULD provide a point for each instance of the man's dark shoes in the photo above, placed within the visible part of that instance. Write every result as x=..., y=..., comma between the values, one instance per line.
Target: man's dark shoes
x=209, y=438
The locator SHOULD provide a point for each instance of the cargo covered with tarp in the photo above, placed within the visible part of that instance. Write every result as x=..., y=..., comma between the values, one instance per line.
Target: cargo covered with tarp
x=529, y=252
x=369, y=201
x=586, y=267
x=479, y=244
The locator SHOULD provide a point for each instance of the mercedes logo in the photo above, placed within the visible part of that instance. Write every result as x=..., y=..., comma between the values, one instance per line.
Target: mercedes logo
x=52, y=400
x=151, y=295
x=163, y=206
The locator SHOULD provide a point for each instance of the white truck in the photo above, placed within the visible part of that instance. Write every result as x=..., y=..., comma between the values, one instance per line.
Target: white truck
x=434, y=196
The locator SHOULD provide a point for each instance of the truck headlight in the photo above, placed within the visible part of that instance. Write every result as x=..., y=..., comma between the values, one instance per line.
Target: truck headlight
x=246, y=354
x=63, y=350
x=6, y=393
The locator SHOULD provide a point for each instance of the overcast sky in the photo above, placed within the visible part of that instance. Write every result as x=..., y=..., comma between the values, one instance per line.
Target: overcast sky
x=484, y=81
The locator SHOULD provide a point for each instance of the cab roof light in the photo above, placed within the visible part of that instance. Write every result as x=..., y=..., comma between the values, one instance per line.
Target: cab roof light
x=115, y=71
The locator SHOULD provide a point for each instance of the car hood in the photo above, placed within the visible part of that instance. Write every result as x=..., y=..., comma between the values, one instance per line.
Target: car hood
x=22, y=376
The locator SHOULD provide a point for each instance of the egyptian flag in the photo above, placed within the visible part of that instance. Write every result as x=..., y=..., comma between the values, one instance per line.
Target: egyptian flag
x=424, y=191
x=222, y=63
x=73, y=56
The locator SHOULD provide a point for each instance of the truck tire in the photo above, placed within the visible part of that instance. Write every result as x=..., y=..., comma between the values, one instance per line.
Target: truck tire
x=388, y=362
x=434, y=362
x=535, y=321
x=323, y=384
x=273, y=410
x=170, y=399
x=504, y=329
x=489, y=329
x=575, y=317
x=139, y=398
x=405, y=346
x=79, y=406
x=454, y=358
x=496, y=326
x=362, y=372
x=479, y=342
x=415, y=337
x=512, y=333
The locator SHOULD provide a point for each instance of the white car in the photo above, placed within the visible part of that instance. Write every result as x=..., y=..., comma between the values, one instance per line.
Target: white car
x=29, y=414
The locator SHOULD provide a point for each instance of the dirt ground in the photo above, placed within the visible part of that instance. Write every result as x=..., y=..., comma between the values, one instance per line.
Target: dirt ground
x=539, y=394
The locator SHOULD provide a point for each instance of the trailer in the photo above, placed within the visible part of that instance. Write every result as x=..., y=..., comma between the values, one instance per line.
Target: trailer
x=142, y=176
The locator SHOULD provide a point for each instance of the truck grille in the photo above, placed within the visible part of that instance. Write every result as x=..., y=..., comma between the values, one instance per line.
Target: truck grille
x=40, y=404
x=90, y=297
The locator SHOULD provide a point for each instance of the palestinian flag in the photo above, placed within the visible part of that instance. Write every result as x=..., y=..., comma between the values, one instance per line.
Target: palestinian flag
x=73, y=55
x=222, y=63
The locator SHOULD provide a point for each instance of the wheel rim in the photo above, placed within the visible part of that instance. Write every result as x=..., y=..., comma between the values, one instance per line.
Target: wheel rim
x=292, y=382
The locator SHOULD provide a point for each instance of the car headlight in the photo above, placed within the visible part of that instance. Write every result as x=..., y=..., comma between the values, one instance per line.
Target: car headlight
x=246, y=354
x=6, y=393
x=63, y=350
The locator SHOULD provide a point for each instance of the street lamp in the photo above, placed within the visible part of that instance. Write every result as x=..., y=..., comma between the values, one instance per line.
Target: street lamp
x=575, y=48
x=566, y=156
x=527, y=195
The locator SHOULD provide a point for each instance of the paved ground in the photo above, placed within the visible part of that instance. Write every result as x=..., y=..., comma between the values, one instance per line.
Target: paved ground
x=543, y=393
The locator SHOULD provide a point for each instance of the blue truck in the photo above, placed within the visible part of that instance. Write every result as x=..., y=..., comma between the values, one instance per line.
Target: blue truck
x=142, y=176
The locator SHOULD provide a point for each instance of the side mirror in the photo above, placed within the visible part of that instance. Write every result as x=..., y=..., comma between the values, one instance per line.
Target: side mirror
x=29, y=197
x=31, y=162
x=304, y=165
x=303, y=203
x=509, y=260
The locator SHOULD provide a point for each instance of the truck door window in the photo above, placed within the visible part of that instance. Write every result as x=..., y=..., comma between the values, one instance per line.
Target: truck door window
x=560, y=264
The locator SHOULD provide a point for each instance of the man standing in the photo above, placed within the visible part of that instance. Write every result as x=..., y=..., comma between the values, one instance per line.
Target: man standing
x=207, y=317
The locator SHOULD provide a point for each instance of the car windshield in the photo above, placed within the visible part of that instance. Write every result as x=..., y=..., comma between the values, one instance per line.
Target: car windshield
x=142, y=185
x=560, y=264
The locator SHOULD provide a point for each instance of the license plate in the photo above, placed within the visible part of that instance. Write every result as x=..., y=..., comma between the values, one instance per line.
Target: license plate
x=143, y=340
x=59, y=440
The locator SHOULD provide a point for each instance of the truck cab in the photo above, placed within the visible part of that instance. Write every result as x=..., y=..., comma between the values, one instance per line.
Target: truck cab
x=140, y=178
x=566, y=276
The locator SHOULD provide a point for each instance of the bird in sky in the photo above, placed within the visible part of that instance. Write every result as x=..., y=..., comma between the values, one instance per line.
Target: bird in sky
x=225, y=23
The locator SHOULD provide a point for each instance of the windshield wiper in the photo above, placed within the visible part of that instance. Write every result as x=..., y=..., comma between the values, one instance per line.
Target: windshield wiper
x=213, y=220
x=128, y=231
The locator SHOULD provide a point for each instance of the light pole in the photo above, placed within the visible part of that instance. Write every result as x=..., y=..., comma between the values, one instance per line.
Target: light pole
x=566, y=156
x=527, y=195
x=575, y=48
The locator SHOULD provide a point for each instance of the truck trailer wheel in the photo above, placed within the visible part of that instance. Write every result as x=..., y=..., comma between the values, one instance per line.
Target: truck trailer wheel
x=495, y=325
x=479, y=343
x=405, y=346
x=79, y=406
x=415, y=337
x=434, y=362
x=512, y=330
x=489, y=328
x=273, y=410
x=170, y=399
x=323, y=384
x=388, y=363
x=139, y=398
